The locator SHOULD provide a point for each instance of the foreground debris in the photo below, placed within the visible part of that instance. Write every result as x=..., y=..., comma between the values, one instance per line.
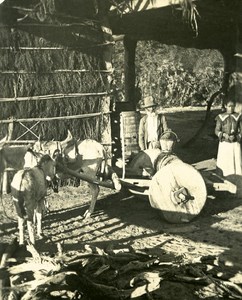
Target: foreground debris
x=116, y=273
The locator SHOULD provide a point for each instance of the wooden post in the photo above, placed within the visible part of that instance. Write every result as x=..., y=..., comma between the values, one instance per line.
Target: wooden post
x=238, y=71
x=232, y=53
x=129, y=71
x=229, y=68
x=5, y=183
x=105, y=124
x=10, y=131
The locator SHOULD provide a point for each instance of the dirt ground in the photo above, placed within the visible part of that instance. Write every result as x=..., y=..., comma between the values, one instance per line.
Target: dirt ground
x=126, y=220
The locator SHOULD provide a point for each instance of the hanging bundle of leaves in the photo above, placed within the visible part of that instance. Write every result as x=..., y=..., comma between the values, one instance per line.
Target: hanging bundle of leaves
x=190, y=14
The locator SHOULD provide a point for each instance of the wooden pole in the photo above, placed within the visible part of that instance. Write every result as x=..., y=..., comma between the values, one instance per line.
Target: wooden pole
x=105, y=121
x=84, y=177
x=53, y=96
x=55, y=71
x=59, y=48
x=229, y=69
x=232, y=54
x=129, y=71
x=54, y=118
x=107, y=184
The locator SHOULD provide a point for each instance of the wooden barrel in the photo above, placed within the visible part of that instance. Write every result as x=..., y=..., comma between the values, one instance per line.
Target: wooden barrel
x=129, y=123
x=178, y=191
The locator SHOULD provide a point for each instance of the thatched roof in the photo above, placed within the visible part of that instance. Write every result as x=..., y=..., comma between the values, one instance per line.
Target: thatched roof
x=74, y=24
x=217, y=22
x=188, y=23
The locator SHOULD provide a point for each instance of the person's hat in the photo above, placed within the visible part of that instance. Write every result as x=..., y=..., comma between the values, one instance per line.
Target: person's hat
x=149, y=102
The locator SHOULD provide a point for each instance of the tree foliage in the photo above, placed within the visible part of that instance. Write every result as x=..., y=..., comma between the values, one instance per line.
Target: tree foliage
x=174, y=76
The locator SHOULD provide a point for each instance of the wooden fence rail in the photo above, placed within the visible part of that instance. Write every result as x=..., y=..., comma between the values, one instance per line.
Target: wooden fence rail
x=52, y=96
x=57, y=48
x=56, y=71
x=82, y=116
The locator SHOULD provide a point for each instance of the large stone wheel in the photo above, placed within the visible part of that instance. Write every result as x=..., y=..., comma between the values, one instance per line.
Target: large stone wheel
x=178, y=191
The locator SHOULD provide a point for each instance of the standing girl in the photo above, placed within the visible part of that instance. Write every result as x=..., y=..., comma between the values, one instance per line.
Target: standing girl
x=228, y=130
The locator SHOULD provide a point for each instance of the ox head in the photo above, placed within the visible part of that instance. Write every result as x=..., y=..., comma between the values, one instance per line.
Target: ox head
x=48, y=165
x=52, y=148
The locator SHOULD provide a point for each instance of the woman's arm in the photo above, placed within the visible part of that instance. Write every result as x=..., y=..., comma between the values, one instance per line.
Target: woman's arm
x=218, y=128
x=239, y=133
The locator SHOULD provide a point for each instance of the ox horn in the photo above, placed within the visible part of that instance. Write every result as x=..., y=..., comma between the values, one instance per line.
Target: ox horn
x=69, y=137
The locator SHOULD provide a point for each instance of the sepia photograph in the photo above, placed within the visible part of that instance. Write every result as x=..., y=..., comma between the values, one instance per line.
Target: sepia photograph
x=120, y=149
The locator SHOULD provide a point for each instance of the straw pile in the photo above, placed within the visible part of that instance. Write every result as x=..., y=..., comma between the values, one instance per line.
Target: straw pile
x=47, y=60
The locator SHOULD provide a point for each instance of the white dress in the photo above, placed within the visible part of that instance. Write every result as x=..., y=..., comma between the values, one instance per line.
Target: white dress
x=229, y=158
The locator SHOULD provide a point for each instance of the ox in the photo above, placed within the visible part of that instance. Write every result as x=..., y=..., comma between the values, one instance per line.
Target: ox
x=15, y=158
x=28, y=189
x=87, y=157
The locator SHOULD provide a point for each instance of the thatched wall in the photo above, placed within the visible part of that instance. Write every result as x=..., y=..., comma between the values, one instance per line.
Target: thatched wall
x=62, y=63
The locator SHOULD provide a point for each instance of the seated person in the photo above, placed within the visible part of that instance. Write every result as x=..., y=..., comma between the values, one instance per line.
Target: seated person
x=148, y=161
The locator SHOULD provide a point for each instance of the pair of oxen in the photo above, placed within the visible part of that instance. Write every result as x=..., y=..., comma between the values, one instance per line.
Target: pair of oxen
x=40, y=161
x=87, y=156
